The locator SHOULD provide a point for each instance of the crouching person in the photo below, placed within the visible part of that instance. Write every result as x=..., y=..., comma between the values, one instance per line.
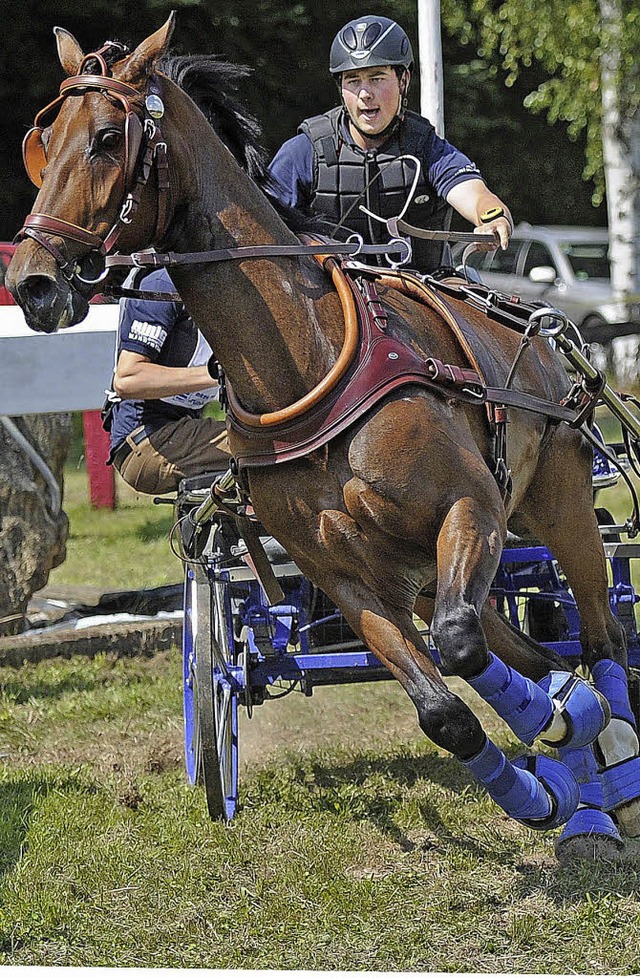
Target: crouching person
x=164, y=377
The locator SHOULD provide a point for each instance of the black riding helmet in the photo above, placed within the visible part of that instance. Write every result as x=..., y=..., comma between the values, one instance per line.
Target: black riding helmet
x=367, y=42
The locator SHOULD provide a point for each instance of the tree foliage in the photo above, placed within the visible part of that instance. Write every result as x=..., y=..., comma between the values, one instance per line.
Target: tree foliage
x=286, y=44
x=568, y=39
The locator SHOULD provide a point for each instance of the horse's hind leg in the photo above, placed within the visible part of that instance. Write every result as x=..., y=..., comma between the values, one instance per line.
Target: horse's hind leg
x=388, y=630
x=570, y=530
x=469, y=547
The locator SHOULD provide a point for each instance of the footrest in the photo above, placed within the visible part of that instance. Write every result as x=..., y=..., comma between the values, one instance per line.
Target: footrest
x=621, y=784
x=194, y=482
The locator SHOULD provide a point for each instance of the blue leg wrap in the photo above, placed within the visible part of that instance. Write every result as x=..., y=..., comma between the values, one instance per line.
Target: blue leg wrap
x=590, y=820
x=520, y=702
x=621, y=784
x=582, y=708
x=559, y=783
x=518, y=791
x=611, y=680
x=582, y=763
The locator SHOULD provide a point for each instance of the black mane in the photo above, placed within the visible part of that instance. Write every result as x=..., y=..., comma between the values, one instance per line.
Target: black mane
x=213, y=86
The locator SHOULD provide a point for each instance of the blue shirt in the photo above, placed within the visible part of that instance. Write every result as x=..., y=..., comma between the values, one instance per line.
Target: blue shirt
x=164, y=332
x=444, y=167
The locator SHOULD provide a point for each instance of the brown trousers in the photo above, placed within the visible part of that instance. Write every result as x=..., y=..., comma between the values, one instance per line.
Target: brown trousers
x=180, y=449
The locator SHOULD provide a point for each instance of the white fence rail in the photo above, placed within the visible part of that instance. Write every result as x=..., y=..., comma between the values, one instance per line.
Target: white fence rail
x=65, y=371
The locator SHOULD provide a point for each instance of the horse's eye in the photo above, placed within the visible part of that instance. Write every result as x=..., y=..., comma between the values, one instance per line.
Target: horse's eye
x=108, y=139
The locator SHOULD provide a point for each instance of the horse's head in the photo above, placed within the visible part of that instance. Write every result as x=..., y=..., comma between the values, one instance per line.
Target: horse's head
x=90, y=153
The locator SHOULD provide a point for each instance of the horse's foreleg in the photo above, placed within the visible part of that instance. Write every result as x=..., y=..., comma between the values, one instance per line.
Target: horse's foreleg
x=590, y=831
x=568, y=712
x=514, y=647
x=449, y=722
x=569, y=528
x=387, y=628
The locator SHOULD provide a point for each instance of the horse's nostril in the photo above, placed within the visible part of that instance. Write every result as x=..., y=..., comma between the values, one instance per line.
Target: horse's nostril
x=38, y=289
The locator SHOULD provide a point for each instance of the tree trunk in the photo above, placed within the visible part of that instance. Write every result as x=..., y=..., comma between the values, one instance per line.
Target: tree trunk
x=33, y=527
x=621, y=151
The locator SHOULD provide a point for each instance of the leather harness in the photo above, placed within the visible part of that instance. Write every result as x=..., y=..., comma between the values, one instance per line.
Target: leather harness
x=382, y=364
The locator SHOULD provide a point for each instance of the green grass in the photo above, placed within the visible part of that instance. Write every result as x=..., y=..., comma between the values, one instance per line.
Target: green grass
x=353, y=857
x=120, y=549
x=358, y=845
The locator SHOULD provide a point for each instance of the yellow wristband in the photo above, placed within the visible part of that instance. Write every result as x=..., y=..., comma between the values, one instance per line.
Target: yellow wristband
x=492, y=214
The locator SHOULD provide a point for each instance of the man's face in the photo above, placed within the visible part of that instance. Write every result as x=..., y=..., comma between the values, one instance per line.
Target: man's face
x=372, y=98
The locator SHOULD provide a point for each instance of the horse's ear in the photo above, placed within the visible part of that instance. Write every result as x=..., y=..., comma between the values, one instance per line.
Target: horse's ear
x=142, y=61
x=69, y=51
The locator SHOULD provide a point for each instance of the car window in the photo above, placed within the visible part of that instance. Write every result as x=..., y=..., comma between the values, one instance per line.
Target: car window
x=538, y=255
x=505, y=261
x=477, y=259
x=588, y=259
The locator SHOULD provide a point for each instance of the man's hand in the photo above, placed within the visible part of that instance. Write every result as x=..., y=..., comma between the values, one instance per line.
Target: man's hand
x=483, y=209
x=497, y=222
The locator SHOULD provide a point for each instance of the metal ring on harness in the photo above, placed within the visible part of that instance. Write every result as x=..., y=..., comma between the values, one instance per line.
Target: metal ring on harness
x=91, y=281
x=562, y=321
x=407, y=256
x=358, y=240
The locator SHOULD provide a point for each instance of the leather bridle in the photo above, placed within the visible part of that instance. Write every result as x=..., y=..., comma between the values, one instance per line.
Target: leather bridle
x=144, y=148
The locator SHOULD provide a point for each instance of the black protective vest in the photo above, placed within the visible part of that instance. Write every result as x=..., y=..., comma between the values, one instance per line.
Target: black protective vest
x=345, y=176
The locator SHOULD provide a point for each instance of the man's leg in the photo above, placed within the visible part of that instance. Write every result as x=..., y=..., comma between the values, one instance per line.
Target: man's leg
x=180, y=449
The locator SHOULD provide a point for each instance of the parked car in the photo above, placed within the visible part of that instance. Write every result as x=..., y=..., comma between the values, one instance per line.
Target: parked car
x=566, y=267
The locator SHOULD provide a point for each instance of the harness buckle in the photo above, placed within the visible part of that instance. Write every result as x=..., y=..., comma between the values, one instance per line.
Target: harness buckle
x=149, y=128
x=126, y=210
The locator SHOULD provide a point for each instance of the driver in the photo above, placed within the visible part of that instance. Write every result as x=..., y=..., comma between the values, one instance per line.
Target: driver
x=352, y=154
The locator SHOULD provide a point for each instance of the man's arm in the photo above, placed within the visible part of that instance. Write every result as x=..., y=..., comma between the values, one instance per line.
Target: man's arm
x=292, y=172
x=472, y=199
x=137, y=377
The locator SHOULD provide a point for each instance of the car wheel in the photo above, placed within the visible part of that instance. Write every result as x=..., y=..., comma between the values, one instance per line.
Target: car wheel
x=595, y=329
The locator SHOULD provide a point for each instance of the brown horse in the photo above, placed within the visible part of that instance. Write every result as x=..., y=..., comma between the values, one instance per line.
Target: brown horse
x=400, y=512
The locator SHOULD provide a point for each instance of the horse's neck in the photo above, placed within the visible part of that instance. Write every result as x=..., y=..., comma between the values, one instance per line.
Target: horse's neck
x=273, y=324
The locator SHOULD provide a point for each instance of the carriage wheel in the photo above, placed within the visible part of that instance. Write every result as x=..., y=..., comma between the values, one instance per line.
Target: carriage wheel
x=192, y=734
x=216, y=702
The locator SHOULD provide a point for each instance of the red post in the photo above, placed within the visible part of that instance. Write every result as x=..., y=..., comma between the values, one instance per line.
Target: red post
x=102, y=482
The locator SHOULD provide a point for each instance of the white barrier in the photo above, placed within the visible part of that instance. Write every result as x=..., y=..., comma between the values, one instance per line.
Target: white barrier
x=65, y=371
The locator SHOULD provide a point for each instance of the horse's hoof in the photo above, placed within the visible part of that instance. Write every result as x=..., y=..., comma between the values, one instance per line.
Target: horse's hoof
x=628, y=818
x=560, y=785
x=584, y=710
x=593, y=848
x=589, y=834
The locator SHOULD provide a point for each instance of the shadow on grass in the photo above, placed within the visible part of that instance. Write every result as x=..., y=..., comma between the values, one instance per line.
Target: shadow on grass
x=374, y=790
x=347, y=788
x=18, y=799
x=21, y=692
x=588, y=879
x=152, y=530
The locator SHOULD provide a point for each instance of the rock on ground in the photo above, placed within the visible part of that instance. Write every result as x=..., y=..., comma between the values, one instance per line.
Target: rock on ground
x=32, y=536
